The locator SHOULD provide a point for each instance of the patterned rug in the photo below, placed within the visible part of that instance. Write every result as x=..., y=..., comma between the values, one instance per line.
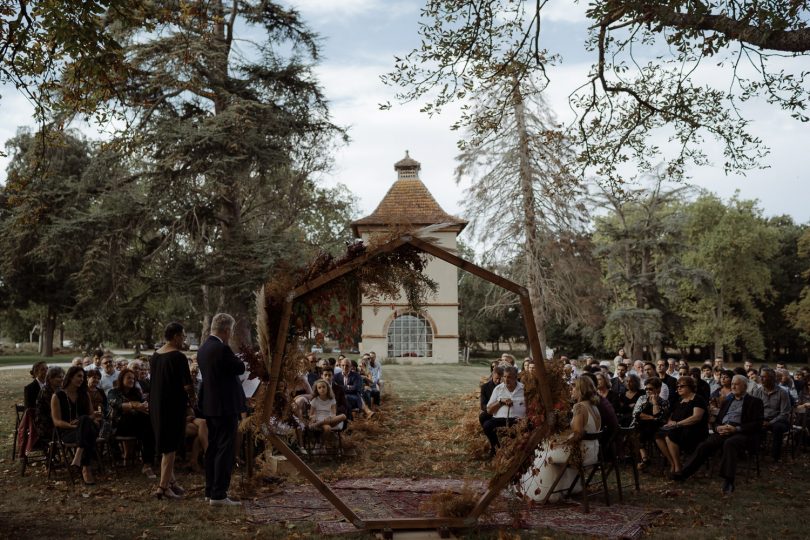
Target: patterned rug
x=400, y=497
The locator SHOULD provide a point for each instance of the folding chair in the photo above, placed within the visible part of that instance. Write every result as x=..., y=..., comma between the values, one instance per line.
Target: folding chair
x=60, y=454
x=581, y=471
x=314, y=437
x=609, y=455
x=626, y=450
x=20, y=411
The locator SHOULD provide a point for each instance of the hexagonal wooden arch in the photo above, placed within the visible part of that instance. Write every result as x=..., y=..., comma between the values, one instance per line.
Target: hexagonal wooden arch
x=500, y=481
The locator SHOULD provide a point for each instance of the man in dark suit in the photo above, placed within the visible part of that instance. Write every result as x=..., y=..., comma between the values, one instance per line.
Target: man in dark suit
x=737, y=426
x=667, y=379
x=486, y=392
x=221, y=402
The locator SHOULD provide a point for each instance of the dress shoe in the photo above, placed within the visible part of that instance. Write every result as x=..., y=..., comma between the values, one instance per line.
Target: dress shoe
x=728, y=487
x=224, y=502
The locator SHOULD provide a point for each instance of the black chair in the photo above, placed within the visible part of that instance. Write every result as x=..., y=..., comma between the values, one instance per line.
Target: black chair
x=19, y=409
x=582, y=470
x=59, y=455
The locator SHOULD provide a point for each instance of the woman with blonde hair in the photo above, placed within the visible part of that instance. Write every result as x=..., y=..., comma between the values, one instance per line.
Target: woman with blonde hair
x=552, y=456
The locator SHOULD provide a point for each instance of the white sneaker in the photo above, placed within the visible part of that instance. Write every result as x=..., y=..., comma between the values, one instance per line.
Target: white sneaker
x=224, y=502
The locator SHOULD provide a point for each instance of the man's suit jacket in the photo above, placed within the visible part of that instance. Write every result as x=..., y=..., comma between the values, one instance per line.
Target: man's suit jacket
x=486, y=393
x=31, y=393
x=221, y=393
x=752, y=414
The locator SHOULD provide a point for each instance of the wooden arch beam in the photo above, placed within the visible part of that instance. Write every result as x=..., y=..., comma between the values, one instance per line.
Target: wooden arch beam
x=500, y=481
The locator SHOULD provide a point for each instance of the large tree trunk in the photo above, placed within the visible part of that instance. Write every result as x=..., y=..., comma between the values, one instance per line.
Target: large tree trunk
x=48, y=332
x=230, y=207
x=533, y=249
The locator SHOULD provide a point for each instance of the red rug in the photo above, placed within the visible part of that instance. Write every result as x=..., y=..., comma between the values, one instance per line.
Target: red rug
x=400, y=497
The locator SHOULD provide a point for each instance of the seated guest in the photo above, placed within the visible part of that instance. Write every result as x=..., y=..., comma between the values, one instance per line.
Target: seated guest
x=312, y=368
x=786, y=383
x=551, y=458
x=628, y=399
x=98, y=400
x=703, y=389
x=603, y=388
x=619, y=381
x=638, y=370
x=753, y=379
x=353, y=387
x=43, y=421
x=673, y=368
x=607, y=413
x=486, y=392
x=777, y=407
x=650, y=373
x=687, y=426
x=506, y=405
x=109, y=374
x=301, y=394
x=76, y=422
x=141, y=371
x=800, y=379
x=375, y=369
x=649, y=414
x=719, y=395
x=31, y=392
x=341, y=404
x=667, y=380
x=706, y=376
x=323, y=408
x=737, y=427
x=129, y=414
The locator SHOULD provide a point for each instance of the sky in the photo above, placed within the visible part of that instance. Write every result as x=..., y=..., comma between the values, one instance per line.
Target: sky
x=359, y=41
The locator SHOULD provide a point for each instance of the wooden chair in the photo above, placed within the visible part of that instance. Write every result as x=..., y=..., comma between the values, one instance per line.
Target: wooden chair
x=581, y=471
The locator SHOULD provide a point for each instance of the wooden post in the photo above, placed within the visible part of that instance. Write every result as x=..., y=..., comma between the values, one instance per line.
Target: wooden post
x=277, y=359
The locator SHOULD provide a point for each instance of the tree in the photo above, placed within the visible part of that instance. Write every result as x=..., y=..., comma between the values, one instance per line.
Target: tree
x=40, y=234
x=798, y=311
x=732, y=244
x=229, y=143
x=523, y=195
x=782, y=338
x=645, y=75
x=64, y=56
x=639, y=244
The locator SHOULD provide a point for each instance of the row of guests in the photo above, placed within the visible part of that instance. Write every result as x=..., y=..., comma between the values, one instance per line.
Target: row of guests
x=361, y=382
x=678, y=424
x=73, y=406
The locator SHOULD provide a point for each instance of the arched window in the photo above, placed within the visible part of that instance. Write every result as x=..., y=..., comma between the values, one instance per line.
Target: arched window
x=410, y=335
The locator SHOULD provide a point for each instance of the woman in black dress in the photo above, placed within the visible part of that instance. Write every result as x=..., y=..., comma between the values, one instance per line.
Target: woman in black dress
x=31, y=392
x=687, y=426
x=129, y=414
x=76, y=421
x=171, y=393
x=627, y=400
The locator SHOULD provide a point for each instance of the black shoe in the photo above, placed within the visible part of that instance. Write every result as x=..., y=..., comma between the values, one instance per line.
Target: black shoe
x=728, y=487
x=678, y=477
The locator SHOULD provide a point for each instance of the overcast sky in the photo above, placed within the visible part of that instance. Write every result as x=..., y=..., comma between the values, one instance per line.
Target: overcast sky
x=360, y=38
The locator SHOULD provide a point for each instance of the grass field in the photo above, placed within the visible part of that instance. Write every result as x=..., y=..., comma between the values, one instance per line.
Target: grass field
x=426, y=427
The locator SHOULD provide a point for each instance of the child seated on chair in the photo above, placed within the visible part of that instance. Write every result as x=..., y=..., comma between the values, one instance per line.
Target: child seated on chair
x=322, y=412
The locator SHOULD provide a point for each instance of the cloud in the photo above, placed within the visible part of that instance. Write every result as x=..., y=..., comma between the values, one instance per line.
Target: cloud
x=569, y=11
x=344, y=10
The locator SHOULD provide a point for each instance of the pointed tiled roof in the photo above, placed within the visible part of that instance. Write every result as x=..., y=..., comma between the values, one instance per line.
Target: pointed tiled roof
x=408, y=202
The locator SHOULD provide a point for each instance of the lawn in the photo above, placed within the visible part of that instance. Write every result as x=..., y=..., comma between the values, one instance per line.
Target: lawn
x=29, y=359
x=427, y=427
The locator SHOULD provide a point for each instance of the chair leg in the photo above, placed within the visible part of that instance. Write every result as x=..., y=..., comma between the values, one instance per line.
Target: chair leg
x=618, y=478
x=581, y=474
x=604, y=483
x=553, y=485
